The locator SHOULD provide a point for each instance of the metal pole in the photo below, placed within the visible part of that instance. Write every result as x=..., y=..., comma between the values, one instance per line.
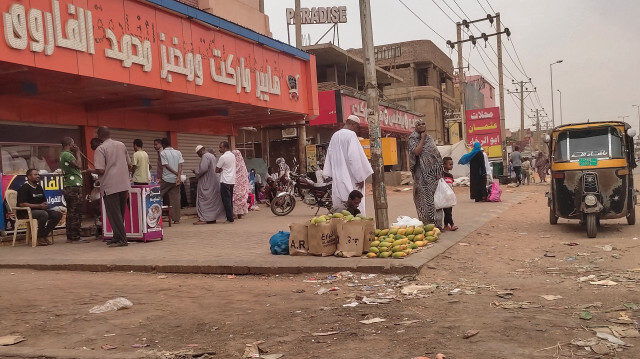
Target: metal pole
x=371, y=87
x=553, y=113
x=638, y=108
x=461, y=84
x=560, y=105
x=521, y=137
x=501, y=90
x=298, y=20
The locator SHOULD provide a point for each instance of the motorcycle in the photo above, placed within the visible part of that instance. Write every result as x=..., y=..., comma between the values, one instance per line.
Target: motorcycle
x=311, y=193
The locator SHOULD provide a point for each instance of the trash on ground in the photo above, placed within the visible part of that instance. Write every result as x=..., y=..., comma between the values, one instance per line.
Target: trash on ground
x=253, y=350
x=610, y=338
x=455, y=291
x=549, y=255
x=415, y=289
x=551, y=297
x=470, y=333
x=632, y=306
x=607, y=248
x=325, y=290
x=111, y=305
x=516, y=305
x=589, y=277
x=108, y=347
x=605, y=282
x=368, y=300
x=162, y=277
x=325, y=334
x=139, y=345
x=586, y=315
x=11, y=339
x=572, y=244
x=371, y=321
x=407, y=322
x=463, y=244
x=352, y=304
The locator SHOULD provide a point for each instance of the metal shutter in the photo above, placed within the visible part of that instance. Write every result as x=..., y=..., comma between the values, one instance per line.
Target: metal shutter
x=147, y=137
x=187, y=143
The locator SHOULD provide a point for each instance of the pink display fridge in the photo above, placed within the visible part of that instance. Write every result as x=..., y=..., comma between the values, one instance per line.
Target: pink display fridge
x=143, y=215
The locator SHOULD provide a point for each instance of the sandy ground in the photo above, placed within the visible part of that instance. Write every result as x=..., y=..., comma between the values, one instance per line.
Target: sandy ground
x=491, y=282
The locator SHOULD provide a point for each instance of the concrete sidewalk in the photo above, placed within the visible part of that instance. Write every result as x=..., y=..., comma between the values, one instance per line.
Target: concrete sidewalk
x=243, y=247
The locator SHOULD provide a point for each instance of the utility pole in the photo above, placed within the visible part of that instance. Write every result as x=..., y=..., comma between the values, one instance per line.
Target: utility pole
x=461, y=84
x=371, y=87
x=537, y=138
x=485, y=37
x=522, y=92
x=302, y=128
x=638, y=108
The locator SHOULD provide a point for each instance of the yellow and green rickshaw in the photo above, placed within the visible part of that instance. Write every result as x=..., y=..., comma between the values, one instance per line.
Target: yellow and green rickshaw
x=592, y=173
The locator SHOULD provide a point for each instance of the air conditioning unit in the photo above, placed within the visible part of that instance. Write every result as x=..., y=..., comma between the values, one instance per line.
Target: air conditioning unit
x=290, y=132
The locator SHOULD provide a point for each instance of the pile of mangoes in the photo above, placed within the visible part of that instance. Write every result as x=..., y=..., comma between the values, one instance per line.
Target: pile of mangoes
x=344, y=215
x=399, y=242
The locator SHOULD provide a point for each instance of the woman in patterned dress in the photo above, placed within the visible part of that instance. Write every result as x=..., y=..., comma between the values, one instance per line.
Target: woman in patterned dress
x=241, y=188
x=425, y=163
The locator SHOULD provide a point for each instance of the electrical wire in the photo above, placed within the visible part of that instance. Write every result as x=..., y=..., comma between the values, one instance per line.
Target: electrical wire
x=447, y=15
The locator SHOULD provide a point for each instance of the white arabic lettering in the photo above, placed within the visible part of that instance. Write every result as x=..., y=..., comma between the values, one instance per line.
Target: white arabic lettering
x=176, y=63
x=142, y=54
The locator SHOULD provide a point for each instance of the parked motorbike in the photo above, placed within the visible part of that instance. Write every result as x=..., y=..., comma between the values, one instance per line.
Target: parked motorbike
x=311, y=193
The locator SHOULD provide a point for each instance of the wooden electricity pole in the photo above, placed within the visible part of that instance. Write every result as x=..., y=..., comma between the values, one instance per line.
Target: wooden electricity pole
x=371, y=87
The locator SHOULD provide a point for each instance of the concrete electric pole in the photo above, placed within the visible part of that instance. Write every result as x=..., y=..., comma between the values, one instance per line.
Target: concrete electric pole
x=371, y=87
x=461, y=84
x=522, y=93
x=485, y=37
x=302, y=128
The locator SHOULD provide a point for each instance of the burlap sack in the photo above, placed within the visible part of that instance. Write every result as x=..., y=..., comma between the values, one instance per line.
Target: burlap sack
x=369, y=235
x=322, y=240
x=351, y=235
x=298, y=241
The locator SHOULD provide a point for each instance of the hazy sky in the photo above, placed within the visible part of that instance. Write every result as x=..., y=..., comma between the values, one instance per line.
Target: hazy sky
x=596, y=39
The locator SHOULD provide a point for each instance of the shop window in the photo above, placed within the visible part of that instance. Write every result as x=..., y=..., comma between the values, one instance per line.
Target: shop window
x=423, y=77
x=17, y=158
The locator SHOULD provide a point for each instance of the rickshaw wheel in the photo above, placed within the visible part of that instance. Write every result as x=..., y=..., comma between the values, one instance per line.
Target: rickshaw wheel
x=592, y=225
x=631, y=218
x=553, y=219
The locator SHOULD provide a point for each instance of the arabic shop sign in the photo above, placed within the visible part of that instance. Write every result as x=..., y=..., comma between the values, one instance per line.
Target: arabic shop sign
x=318, y=15
x=390, y=118
x=100, y=38
x=483, y=125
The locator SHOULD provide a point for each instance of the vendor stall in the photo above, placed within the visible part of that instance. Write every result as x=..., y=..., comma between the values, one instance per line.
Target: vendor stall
x=143, y=215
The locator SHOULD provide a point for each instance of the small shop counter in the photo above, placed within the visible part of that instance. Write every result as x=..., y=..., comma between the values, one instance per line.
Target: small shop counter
x=143, y=215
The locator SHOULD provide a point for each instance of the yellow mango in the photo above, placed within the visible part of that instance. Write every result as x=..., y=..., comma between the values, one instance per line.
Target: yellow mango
x=409, y=230
x=431, y=239
x=418, y=230
x=374, y=250
x=375, y=243
x=384, y=232
x=429, y=227
x=371, y=255
x=384, y=254
x=419, y=243
x=401, y=231
x=399, y=255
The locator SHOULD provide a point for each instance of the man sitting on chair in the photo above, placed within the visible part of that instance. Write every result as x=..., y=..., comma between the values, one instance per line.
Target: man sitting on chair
x=31, y=194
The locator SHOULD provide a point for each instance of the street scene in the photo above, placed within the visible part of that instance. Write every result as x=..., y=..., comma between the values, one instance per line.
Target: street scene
x=327, y=179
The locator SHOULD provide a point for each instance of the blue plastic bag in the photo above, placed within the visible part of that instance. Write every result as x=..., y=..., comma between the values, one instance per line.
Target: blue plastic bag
x=279, y=243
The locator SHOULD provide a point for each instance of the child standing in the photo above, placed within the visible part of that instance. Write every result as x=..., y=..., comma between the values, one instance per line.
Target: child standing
x=448, y=177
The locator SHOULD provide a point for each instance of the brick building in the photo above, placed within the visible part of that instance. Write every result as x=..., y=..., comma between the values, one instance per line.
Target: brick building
x=427, y=85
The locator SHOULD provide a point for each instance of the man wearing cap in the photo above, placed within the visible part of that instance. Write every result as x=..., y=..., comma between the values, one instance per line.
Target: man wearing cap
x=346, y=163
x=208, y=201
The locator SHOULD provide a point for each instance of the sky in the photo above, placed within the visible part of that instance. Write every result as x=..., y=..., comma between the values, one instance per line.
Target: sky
x=599, y=77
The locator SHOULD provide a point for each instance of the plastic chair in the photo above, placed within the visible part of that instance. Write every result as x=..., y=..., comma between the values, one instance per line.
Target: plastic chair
x=30, y=223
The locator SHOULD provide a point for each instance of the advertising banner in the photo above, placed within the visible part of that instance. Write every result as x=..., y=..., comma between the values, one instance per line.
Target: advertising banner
x=51, y=183
x=483, y=126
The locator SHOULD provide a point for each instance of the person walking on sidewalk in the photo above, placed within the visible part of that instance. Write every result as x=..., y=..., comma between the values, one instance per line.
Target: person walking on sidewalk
x=70, y=165
x=477, y=172
x=241, y=187
x=227, y=168
x=526, y=171
x=171, y=177
x=112, y=166
x=516, y=161
x=208, y=201
x=31, y=194
x=140, y=164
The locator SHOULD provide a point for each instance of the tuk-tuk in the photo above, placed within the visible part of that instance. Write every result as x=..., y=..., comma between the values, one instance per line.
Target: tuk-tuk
x=592, y=173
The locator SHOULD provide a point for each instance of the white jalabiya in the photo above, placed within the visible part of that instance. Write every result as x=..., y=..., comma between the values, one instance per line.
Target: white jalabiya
x=347, y=165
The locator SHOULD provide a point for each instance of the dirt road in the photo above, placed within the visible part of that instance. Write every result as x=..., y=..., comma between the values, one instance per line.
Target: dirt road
x=491, y=283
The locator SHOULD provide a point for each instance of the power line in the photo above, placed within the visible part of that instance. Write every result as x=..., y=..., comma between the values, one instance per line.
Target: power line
x=491, y=6
x=483, y=9
x=419, y=18
x=452, y=20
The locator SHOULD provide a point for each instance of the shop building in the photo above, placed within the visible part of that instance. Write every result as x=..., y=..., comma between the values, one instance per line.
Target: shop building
x=147, y=69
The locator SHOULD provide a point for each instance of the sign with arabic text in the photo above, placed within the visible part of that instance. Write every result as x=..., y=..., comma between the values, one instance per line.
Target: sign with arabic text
x=135, y=42
x=390, y=118
x=483, y=125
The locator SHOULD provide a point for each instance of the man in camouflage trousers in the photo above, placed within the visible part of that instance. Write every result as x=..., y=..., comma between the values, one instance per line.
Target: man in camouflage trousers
x=70, y=166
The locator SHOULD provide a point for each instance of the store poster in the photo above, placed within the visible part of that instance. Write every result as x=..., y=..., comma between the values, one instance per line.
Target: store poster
x=312, y=158
x=50, y=182
x=153, y=208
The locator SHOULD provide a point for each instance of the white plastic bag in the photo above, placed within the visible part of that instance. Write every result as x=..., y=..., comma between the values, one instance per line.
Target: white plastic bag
x=407, y=221
x=113, y=304
x=444, y=196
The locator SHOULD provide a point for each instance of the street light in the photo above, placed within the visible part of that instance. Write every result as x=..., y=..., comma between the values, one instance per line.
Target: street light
x=638, y=107
x=560, y=106
x=553, y=114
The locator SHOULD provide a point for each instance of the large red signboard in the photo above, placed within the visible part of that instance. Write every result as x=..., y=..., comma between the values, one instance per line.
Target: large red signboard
x=129, y=41
x=483, y=125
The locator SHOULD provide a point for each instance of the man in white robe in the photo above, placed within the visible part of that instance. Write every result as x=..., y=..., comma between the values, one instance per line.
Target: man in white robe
x=346, y=163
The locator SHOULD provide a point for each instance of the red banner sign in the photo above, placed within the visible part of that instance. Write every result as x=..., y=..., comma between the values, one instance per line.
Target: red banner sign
x=483, y=126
